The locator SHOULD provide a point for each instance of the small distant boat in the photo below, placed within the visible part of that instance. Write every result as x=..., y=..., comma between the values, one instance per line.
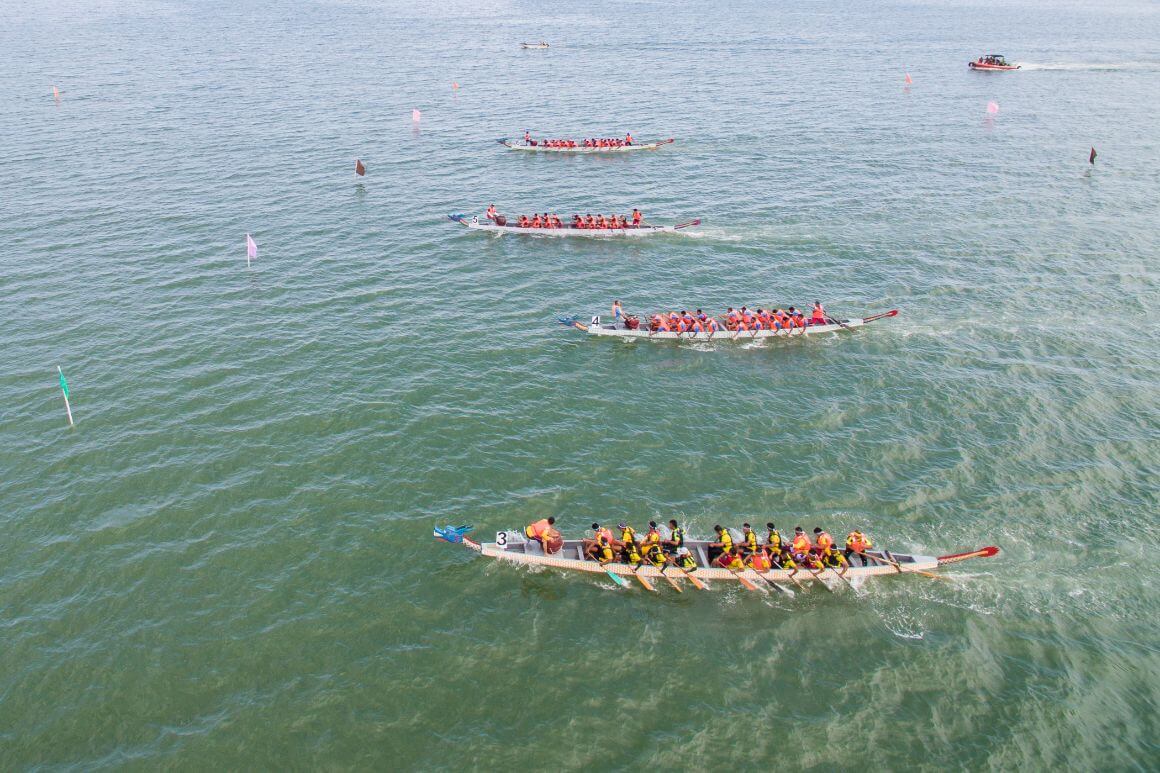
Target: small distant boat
x=542, y=148
x=534, y=45
x=992, y=62
x=513, y=547
x=620, y=330
x=476, y=224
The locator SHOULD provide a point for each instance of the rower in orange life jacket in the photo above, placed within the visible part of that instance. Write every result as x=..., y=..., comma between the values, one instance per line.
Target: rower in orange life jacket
x=662, y=324
x=711, y=325
x=731, y=319
x=746, y=319
x=857, y=543
x=801, y=543
x=819, y=315
x=823, y=539
x=636, y=218
x=536, y=222
x=780, y=321
x=527, y=138
x=628, y=138
x=540, y=531
x=491, y=212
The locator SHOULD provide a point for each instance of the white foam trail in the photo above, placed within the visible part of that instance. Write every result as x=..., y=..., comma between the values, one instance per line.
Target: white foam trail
x=1091, y=66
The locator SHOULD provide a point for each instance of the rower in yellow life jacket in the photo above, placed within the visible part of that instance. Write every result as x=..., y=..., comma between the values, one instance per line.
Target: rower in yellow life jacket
x=833, y=559
x=685, y=560
x=676, y=539
x=627, y=534
x=651, y=537
x=724, y=542
x=655, y=555
x=749, y=539
x=773, y=538
x=631, y=553
x=857, y=543
x=801, y=543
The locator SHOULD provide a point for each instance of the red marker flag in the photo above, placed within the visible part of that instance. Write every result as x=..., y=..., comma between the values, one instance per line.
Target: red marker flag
x=1092, y=157
x=359, y=169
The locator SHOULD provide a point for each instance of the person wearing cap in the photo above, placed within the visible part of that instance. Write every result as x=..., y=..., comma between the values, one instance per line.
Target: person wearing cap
x=723, y=545
x=676, y=539
x=748, y=539
x=683, y=559
x=773, y=538
x=627, y=537
x=801, y=543
x=541, y=531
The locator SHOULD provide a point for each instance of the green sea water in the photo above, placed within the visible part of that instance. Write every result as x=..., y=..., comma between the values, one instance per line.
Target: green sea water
x=227, y=563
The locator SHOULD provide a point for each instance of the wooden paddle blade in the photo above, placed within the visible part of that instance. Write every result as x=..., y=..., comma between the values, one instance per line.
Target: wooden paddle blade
x=745, y=582
x=696, y=583
x=674, y=583
x=645, y=582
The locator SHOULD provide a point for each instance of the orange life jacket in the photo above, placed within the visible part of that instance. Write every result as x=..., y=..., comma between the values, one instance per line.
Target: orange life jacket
x=801, y=543
x=539, y=529
x=825, y=541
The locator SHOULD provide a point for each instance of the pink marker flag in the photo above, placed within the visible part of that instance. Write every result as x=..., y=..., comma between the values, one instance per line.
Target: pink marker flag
x=251, y=250
x=992, y=108
x=415, y=116
x=55, y=94
x=454, y=85
x=908, y=80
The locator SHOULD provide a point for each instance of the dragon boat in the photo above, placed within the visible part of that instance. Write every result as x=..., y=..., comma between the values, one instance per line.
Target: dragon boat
x=992, y=62
x=534, y=45
x=476, y=224
x=540, y=148
x=513, y=547
x=621, y=330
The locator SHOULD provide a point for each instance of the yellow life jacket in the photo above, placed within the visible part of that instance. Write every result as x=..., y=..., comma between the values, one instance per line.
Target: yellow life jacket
x=774, y=540
x=726, y=540
x=688, y=563
x=679, y=536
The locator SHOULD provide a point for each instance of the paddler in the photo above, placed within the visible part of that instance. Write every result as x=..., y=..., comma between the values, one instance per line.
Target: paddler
x=591, y=221
x=491, y=212
x=711, y=325
x=541, y=531
x=773, y=538
x=832, y=559
x=676, y=539
x=685, y=560
x=631, y=554
x=655, y=555
x=801, y=543
x=724, y=543
x=577, y=221
x=748, y=539
x=527, y=137
x=857, y=543
x=627, y=538
x=636, y=218
x=731, y=319
x=731, y=560
x=818, y=317
x=651, y=537
x=822, y=540
x=628, y=138
x=600, y=548
x=758, y=561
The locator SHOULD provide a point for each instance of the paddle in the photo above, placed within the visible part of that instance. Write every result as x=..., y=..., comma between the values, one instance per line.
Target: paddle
x=615, y=577
x=818, y=576
x=898, y=566
x=688, y=576
x=842, y=577
x=643, y=581
x=778, y=588
x=686, y=225
x=891, y=313
x=572, y=322
x=672, y=582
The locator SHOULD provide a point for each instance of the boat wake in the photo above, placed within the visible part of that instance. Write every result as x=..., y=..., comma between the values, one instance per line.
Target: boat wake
x=1091, y=66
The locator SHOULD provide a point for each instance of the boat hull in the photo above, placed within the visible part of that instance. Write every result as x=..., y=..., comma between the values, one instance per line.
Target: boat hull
x=596, y=328
x=586, y=233
x=995, y=67
x=622, y=149
x=569, y=558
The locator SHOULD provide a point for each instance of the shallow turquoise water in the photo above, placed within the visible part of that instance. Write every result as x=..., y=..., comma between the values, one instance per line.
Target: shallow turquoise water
x=227, y=562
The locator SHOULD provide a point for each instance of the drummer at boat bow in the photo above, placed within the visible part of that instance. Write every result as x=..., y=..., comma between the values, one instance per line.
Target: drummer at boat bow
x=491, y=212
x=541, y=531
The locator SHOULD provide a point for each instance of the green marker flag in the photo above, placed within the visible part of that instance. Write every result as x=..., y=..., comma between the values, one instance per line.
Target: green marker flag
x=64, y=391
